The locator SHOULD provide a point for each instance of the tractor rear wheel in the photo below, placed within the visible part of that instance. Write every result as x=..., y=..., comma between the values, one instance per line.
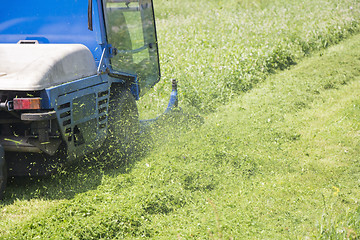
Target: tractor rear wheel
x=123, y=124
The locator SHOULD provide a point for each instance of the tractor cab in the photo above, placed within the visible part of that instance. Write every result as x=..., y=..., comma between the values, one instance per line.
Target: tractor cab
x=120, y=34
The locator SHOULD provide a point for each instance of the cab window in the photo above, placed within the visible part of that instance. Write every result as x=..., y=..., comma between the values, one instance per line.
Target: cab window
x=130, y=28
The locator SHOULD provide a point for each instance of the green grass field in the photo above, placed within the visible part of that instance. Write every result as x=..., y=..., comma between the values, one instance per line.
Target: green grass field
x=218, y=49
x=274, y=155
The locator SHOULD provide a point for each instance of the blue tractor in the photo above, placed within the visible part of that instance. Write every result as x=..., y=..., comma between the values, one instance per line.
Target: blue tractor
x=70, y=74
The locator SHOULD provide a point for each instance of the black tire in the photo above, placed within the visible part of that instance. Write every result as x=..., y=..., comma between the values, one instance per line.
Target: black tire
x=3, y=174
x=123, y=124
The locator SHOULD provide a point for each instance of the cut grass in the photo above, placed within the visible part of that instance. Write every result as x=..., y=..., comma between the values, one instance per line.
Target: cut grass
x=279, y=162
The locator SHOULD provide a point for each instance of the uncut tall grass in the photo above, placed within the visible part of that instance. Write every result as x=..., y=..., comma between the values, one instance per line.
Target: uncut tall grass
x=218, y=49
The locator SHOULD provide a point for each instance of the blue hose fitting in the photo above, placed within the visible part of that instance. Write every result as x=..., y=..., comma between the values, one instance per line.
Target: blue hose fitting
x=173, y=103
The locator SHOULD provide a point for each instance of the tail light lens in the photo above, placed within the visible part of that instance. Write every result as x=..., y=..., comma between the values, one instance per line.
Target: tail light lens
x=26, y=103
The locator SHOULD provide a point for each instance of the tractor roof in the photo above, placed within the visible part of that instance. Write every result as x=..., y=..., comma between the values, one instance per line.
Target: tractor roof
x=61, y=22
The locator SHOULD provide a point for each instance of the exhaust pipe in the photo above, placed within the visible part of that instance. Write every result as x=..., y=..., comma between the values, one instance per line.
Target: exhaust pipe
x=173, y=102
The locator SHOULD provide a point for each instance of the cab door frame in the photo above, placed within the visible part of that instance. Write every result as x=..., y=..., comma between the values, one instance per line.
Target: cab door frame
x=140, y=78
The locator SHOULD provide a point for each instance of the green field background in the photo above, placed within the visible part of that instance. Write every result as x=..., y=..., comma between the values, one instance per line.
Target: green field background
x=218, y=49
x=266, y=147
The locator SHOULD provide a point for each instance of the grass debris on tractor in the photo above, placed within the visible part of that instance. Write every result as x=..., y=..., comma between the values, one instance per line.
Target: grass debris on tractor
x=70, y=75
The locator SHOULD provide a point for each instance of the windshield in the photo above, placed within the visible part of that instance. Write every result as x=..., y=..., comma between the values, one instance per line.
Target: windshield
x=130, y=28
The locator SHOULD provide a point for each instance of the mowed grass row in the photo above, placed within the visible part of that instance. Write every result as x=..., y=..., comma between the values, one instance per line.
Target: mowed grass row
x=218, y=49
x=279, y=162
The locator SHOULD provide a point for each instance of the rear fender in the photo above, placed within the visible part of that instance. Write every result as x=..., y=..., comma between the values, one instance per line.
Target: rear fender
x=81, y=108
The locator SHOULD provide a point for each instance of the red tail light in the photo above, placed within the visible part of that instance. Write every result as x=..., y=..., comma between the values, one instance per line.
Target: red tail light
x=26, y=103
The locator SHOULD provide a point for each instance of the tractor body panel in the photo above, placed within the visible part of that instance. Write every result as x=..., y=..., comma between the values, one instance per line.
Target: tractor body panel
x=33, y=67
x=66, y=56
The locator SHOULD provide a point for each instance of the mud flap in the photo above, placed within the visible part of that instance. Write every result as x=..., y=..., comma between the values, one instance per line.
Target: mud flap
x=2, y=162
x=3, y=172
